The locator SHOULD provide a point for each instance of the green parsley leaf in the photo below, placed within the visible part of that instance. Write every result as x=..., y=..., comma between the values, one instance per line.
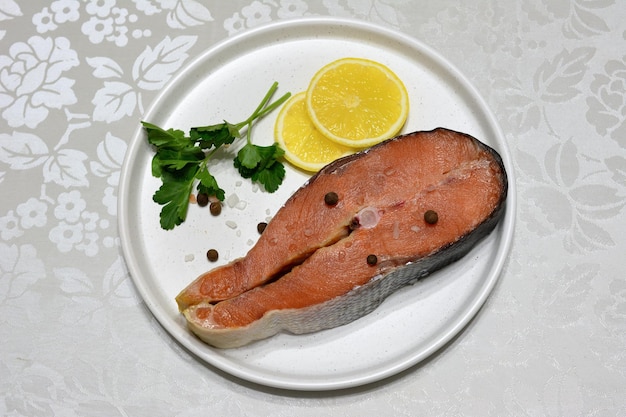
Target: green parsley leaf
x=208, y=184
x=178, y=159
x=213, y=135
x=249, y=156
x=174, y=196
x=171, y=139
x=260, y=164
x=156, y=166
x=181, y=161
x=271, y=177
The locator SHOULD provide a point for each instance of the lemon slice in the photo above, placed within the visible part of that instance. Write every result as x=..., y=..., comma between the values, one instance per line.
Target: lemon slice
x=357, y=102
x=304, y=146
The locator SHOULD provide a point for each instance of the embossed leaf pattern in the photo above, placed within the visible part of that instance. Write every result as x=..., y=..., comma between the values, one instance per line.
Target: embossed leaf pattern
x=73, y=281
x=578, y=18
x=588, y=236
x=117, y=287
x=596, y=195
x=557, y=80
x=22, y=150
x=119, y=97
x=585, y=21
x=9, y=9
x=105, y=67
x=67, y=168
x=114, y=101
x=521, y=110
x=87, y=304
x=154, y=67
x=561, y=162
x=565, y=201
x=109, y=164
x=110, y=156
x=188, y=13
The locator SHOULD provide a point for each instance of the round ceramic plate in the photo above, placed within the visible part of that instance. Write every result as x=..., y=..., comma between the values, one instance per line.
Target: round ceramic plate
x=227, y=82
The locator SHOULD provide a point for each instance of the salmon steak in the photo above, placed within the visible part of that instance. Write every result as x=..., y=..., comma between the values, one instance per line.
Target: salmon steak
x=361, y=228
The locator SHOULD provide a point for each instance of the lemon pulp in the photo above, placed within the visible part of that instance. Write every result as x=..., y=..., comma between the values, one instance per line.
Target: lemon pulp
x=357, y=102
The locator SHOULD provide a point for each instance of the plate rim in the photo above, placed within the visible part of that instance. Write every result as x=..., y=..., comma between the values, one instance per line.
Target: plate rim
x=507, y=223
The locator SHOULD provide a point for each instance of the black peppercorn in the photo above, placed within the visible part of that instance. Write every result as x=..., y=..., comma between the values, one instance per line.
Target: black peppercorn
x=215, y=208
x=331, y=198
x=212, y=255
x=202, y=199
x=431, y=217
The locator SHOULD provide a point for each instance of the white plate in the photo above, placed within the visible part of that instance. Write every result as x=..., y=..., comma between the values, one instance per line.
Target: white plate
x=227, y=82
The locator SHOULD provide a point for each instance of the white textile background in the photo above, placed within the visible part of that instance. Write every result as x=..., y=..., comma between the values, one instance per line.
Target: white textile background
x=76, y=338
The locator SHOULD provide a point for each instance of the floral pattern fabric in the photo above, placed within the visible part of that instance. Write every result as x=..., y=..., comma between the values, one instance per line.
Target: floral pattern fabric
x=76, y=339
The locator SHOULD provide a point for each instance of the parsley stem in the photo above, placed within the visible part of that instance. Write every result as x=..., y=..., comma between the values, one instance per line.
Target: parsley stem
x=263, y=103
x=262, y=109
x=275, y=104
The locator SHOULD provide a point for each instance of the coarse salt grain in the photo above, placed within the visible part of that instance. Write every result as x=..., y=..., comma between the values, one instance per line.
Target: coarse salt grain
x=189, y=257
x=232, y=200
x=231, y=224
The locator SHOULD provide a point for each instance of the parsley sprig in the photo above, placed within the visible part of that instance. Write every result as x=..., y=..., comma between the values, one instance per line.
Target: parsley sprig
x=182, y=161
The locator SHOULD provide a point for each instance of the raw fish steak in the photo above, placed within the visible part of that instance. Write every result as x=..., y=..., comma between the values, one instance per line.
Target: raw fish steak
x=360, y=229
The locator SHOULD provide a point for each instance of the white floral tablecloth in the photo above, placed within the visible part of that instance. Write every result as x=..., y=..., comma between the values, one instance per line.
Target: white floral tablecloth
x=76, y=338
